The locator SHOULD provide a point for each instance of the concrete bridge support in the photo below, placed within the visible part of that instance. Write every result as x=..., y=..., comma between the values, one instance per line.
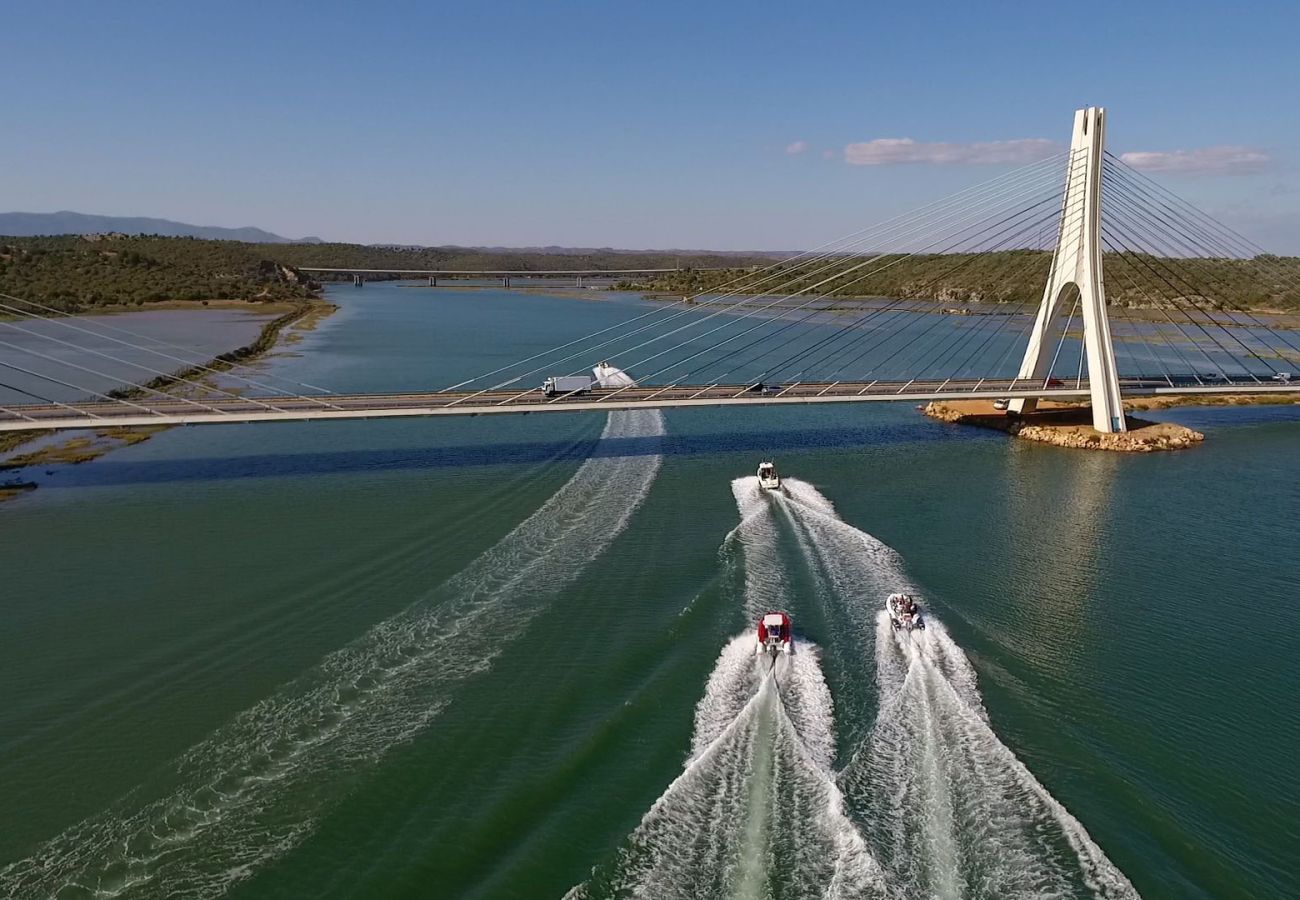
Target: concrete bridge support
x=433, y=281
x=358, y=280
x=1076, y=264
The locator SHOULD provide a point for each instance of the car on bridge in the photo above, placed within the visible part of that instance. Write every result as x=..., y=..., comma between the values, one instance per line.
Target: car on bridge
x=1284, y=377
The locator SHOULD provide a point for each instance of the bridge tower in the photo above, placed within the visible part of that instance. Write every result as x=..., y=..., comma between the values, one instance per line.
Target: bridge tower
x=1077, y=263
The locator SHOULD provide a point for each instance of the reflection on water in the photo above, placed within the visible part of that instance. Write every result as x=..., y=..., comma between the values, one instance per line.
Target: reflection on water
x=1057, y=506
x=200, y=333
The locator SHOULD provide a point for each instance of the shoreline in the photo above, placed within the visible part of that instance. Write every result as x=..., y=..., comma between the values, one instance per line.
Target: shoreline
x=1284, y=320
x=1069, y=423
x=79, y=447
x=1066, y=425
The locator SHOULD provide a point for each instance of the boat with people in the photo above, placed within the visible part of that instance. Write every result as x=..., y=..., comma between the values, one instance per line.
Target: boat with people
x=904, y=612
x=774, y=634
x=767, y=477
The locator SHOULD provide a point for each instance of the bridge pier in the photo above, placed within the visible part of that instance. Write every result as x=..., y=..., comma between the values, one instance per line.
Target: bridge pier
x=358, y=281
x=1076, y=264
x=505, y=281
x=433, y=281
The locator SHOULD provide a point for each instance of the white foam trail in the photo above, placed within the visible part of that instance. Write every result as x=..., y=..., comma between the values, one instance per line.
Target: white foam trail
x=251, y=790
x=756, y=809
x=949, y=808
x=766, y=587
x=756, y=805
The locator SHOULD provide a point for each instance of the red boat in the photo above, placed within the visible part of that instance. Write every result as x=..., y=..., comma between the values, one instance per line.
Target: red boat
x=774, y=634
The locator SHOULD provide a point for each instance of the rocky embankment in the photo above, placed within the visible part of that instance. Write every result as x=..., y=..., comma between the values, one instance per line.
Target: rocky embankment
x=1067, y=426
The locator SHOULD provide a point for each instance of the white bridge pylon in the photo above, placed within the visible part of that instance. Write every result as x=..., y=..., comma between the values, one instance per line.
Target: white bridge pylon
x=1077, y=263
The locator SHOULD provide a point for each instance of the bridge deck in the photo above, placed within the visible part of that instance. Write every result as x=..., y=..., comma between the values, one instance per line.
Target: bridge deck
x=227, y=410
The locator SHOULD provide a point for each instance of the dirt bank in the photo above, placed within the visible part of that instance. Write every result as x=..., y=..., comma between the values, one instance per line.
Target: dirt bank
x=1066, y=426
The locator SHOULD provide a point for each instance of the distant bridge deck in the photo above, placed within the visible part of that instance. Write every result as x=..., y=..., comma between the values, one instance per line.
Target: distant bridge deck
x=227, y=410
x=499, y=273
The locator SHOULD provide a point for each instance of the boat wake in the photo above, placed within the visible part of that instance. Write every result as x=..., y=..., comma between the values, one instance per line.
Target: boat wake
x=254, y=788
x=946, y=806
x=756, y=811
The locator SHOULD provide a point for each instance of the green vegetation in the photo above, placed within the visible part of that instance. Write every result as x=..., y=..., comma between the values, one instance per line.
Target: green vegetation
x=1013, y=276
x=357, y=256
x=90, y=272
x=83, y=273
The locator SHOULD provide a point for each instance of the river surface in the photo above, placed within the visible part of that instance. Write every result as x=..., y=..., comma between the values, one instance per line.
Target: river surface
x=108, y=350
x=509, y=657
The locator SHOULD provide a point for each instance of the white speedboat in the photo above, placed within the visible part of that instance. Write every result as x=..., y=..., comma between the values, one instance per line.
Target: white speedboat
x=774, y=634
x=608, y=376
x=767, y=477
x=904, y=612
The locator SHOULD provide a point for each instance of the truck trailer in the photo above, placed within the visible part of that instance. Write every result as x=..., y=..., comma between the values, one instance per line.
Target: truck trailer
x=567, y=384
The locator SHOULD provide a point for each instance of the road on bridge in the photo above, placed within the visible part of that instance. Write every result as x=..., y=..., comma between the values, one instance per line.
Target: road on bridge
x=227, y=410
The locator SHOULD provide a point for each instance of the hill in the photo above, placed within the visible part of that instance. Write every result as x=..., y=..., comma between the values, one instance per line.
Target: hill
x=360, y=256
x=1263, y=283
x=78, y=274
x=24, y=224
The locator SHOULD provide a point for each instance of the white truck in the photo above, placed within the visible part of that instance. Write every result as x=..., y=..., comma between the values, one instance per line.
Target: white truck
x=567, y=384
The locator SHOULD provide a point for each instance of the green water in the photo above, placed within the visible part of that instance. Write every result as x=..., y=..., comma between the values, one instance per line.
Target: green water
x=452, y=659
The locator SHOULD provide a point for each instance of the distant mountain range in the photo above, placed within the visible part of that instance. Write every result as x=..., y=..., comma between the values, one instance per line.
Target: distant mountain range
x=22, y=224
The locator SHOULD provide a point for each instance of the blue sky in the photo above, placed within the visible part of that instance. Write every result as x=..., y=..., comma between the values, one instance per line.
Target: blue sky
x=627, y=124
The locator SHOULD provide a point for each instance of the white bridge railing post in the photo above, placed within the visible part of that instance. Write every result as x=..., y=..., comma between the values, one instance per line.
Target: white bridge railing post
x=1077, y=262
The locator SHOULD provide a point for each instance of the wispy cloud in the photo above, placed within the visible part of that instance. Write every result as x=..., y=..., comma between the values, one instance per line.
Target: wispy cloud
x=796, y=148
x=902, y=151
x=1226, y=160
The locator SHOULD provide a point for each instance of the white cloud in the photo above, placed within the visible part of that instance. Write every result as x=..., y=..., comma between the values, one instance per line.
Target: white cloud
x=1227, y=160
x=899, y=151
x=796, y=148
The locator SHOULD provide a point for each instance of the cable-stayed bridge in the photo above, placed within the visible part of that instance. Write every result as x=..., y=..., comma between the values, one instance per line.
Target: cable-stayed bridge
x=1075, y=277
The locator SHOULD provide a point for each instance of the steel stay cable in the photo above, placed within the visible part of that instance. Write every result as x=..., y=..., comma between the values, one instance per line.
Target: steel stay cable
x=152, y=371
x=1129, y=276
x=1127, y=241
x=727, y=308
x=1223, y=242
x=60, y=362
x=892, y=263
x=897, y=352
x=855, y=239
x=788, y=324
x=165, y=356
x=1120, y=251
x=1204, y=250
x=18, y=415
x=1123, y=246
x=59, y=315
x=77, y=387
x=1155, y=260
x=1208, y=223
x=749, y=314
x=847, y=331
x=1007, y=318
x=854, y=324
x=889, y=336
x=1156, y=332
x=1062, y=237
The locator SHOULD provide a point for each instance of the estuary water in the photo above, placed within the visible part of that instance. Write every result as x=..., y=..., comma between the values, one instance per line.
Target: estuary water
x=511, y=657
